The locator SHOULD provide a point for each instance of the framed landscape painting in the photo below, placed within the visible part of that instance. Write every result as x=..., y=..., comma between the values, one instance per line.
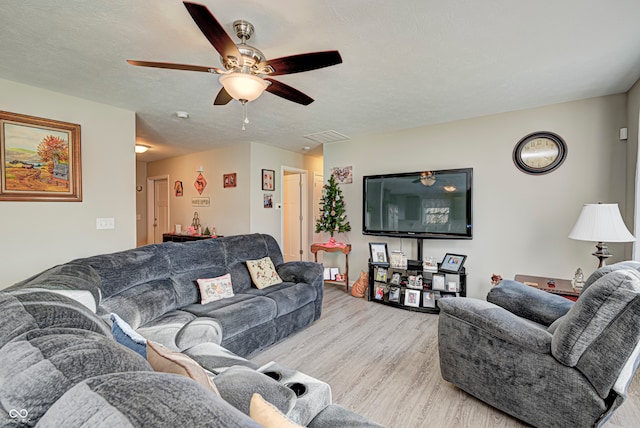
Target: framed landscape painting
x=39, y=159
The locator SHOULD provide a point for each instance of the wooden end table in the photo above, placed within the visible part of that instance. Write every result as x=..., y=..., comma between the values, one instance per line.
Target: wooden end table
x=558, y=286
x=334, y=249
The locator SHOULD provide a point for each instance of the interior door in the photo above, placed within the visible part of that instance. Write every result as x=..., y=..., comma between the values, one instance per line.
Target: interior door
x=160, y=212
x=293, y=221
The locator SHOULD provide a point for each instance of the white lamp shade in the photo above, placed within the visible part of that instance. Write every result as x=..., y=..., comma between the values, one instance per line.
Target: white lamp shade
x=601, y=223
x=242, y=86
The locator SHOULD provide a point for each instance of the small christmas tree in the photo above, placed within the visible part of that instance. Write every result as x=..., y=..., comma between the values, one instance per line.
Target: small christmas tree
x=333, y=218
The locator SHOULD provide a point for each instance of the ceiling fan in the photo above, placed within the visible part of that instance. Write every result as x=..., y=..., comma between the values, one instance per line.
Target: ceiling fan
x=246, y=70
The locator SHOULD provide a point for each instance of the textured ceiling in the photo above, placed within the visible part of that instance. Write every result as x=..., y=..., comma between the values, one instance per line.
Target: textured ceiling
x=406, y=63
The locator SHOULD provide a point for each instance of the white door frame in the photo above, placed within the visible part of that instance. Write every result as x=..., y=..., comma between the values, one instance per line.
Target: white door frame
x=151, y=203
x=304, y=209
x=313, y=219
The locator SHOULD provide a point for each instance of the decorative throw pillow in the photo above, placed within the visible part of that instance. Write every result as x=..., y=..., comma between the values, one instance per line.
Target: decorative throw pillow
x=268, y=415
x=168, y=361
x=263, y=272
x=212, y=289
x=127, y=336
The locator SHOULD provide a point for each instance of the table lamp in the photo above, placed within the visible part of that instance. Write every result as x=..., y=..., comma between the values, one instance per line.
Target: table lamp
x=599, y=223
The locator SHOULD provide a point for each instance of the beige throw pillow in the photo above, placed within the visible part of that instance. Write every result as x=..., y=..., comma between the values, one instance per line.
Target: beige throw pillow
x=168, y=361
x=263, y=272
x=212, y=289
x=268, y=415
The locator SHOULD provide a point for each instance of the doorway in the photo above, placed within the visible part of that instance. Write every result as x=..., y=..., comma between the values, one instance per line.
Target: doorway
x=294, y=214
x=318, y=183
x=157, y=208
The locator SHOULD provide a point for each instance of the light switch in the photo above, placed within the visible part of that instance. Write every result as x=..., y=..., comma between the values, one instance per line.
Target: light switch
x=106, y=223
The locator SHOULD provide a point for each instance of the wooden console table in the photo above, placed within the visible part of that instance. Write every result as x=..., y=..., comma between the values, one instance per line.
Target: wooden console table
x=335, y=249
x=558, y=286
x=176, y=237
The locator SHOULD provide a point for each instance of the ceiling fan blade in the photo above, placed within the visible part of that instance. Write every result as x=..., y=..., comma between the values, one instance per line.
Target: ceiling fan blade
x=176, y=66
x=303, y=62
x=288, y=93
x=222, y=98
x=213, y=31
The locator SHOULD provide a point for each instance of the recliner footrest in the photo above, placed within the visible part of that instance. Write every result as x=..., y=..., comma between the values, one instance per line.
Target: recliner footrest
x=313, y=394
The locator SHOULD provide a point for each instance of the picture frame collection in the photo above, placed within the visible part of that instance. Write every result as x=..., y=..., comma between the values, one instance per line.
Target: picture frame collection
x=415, y=289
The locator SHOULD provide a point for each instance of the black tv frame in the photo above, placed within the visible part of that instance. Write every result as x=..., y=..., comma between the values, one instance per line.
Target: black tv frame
x=425, y=235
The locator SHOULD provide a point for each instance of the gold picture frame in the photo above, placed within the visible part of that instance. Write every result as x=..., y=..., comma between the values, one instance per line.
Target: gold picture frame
x=39, y=159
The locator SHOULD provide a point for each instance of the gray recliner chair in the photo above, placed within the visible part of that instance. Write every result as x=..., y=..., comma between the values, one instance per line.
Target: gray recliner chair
x=542, y=358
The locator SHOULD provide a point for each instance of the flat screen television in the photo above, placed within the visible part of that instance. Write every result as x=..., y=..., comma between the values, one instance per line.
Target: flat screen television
x=428, y=204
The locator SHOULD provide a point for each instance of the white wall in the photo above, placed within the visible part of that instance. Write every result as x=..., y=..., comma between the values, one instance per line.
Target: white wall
x=521, y=222
x=313, y=164
x=141, y=203
x=268, y=220
x=236, y=210
x=38, y=235
x=229, y=209
x=633, y=128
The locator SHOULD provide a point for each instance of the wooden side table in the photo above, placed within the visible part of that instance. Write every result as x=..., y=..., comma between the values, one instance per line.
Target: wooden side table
x=335, y=249
x=176, y=237
x=558, y=286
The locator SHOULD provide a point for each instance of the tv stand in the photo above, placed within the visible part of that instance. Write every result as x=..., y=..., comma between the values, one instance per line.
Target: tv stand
x=436, y=285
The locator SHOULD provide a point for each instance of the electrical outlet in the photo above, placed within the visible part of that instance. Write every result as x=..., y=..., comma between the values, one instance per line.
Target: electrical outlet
x=106, y=223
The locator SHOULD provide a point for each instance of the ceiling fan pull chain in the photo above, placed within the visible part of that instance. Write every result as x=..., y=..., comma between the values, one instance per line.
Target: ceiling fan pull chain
x=244, y=110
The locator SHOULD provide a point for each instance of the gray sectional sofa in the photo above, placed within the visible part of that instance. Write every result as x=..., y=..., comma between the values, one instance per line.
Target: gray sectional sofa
x=61, y=365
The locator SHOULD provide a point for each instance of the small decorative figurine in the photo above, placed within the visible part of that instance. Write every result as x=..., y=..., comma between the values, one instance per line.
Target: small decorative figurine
x=578, y=280
x=495, y=279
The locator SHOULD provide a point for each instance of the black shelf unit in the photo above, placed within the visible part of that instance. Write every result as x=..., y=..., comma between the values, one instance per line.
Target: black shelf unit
x=424, y=305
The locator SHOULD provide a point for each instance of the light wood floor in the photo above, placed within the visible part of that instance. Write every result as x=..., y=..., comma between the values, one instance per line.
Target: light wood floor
x=382, y=362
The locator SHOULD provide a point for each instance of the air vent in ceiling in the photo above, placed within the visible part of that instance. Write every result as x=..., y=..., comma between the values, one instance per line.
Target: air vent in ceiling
x=326, y=137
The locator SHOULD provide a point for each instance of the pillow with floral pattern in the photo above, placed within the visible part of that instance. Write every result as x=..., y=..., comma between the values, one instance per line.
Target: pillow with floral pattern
x=263, y=272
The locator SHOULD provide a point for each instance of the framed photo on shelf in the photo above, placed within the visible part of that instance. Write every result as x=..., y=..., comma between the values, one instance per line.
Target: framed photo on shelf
x=394, y=294
x=379, y=293
x=398, y=260
x=415, y=282
x=379, y=253
x=395, y=278
x=428, y=299
x=437, y=282
x=381, y=274
x=453, y=282
x=412, y=298
x=268, y=180
x=452, y=263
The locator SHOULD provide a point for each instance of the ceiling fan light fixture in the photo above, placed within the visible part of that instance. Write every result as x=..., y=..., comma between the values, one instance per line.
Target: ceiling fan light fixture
x=427, y=178
x=141, y=148
x=242, y=86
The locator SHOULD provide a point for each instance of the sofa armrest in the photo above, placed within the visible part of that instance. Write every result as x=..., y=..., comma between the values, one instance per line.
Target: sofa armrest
x=529, y=302
x=301, y=271
x=498, y=322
